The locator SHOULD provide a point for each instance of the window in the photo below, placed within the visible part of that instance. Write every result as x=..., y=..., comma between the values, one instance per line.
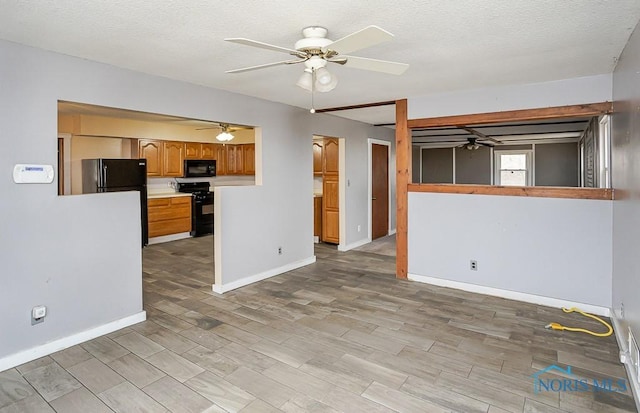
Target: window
x=604, y=146
x=513, y=168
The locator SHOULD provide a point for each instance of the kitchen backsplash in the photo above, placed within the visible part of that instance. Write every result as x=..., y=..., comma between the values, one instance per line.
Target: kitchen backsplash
x=159, y=185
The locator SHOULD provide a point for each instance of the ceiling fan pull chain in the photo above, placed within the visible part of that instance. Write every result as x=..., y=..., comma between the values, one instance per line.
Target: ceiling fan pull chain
x=313, y=82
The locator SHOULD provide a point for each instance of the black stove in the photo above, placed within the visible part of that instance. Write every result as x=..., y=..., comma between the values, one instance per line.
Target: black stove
x=201, y=207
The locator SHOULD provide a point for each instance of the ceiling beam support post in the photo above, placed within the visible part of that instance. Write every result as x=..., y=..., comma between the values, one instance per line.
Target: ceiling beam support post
x=403, y=179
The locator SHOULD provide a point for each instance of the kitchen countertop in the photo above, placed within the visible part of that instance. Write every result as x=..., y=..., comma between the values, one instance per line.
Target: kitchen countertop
x=167, y=195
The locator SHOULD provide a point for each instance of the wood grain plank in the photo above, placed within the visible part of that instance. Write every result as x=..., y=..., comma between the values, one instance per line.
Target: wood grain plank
x=604, y=194
x=590, y=109
x=403, y=179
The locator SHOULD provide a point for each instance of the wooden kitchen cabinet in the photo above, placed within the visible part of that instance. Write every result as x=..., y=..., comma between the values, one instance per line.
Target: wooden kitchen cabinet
x=234, y=160
x=318, y=145
x=173, y=156
x=207, y=151
x=330, y=156
x=151, y=150
x=171, y=215
x=192, y=150
x=330, y=210
x=317, y=217
x=197, y=150
x=220, y=156
x=248, y=159
x=164, y=158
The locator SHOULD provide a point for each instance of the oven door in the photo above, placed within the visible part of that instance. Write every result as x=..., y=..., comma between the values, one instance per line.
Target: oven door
x=202, y=217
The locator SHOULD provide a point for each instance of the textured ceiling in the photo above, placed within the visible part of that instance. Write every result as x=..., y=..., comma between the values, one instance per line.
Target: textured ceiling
x=450, y=45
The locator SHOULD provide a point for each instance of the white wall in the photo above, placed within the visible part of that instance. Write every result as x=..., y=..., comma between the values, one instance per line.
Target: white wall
x=559, y=248
x=590, y=89
x=80, y=255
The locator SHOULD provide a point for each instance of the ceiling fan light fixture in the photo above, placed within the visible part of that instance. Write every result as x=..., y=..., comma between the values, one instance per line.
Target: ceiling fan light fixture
x=328, y=87
x=323, y=76
x=224, y=135
x=306, y=80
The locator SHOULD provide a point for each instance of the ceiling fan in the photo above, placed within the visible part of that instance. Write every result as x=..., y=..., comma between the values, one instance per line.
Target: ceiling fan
x=315, y=50
x=473, y=142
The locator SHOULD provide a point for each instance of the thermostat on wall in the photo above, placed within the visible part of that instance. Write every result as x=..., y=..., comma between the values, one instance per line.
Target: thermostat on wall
x=32, y=174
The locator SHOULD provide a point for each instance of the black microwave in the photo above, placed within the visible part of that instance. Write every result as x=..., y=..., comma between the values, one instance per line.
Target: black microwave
x=199, y=168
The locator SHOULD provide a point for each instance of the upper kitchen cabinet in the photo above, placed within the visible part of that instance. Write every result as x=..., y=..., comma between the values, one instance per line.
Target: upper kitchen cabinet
x=164, y=158
x=249, y=159
x=173, y=158
x=220, y=156
x=193, y=150
x=234, y=159
x=152, y=151
x=330, y=156
x=208, y=151
x=317, y=156
x=196, y=150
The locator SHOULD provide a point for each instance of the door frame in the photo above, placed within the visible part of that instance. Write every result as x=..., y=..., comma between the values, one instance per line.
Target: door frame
x=370, y=143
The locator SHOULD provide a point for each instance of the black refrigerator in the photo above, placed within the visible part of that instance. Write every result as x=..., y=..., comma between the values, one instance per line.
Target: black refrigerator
x=115, y=175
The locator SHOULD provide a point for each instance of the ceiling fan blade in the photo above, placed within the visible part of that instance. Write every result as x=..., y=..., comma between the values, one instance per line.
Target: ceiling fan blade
x=367, y=37
x=246, y=69
x=376, y=65
x=262, y=45
x=478, y=134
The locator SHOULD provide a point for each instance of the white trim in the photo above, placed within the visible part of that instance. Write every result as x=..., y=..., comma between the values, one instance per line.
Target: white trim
x=33, y=353
x=453, y=165
x=623, y=344
x=511, y=295
x=221, y=289
x=392, y=231
x=168, y=238
x=370, y=142
x=316, y=239
x=353, y=245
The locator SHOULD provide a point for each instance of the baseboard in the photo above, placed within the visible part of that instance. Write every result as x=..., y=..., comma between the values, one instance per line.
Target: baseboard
x=316, y=239
x=168, y=238
x=44, y=350
x=392, y=231
x=353, y=245
x=623, y=344
x=512, y=295
x=221, y=289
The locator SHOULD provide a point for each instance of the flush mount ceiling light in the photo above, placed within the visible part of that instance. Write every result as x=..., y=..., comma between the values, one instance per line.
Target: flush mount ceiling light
x=224, y=136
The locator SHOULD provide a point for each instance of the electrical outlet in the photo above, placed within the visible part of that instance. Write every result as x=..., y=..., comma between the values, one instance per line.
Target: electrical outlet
x=473, y=265
x=621, y=310
x=38, y=313
x=359, y=228
x=279, y=250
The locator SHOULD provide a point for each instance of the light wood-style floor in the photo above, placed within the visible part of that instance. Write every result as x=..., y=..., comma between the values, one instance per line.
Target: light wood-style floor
x=341, y=335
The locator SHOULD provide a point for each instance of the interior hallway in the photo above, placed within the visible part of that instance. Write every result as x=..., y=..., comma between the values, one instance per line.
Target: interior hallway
x=339, y=335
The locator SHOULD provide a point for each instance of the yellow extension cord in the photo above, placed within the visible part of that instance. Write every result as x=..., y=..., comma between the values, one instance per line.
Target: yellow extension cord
x=557, y=326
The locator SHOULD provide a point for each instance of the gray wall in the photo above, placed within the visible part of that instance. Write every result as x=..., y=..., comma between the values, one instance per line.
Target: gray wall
x=437, y=166
x=626, y=182
x=556, y=164
x=79, y=255
x=473, y=167
x=415, y=164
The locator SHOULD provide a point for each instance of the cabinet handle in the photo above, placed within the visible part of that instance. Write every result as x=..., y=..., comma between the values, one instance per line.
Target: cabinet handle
x=374, y=198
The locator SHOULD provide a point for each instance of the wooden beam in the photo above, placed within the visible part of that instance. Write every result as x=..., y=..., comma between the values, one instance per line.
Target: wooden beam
x=590, y=109
x=403, y=179
x=361, y=106
x=530, y=191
